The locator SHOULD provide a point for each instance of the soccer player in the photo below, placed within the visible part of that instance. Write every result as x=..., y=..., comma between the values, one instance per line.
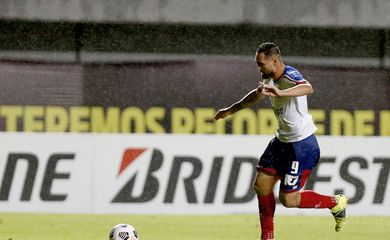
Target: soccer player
x=294, y=152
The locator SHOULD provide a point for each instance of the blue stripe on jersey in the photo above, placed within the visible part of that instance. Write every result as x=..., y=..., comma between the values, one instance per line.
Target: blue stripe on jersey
x=293, y=74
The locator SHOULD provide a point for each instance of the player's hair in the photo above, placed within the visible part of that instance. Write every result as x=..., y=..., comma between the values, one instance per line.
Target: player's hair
x=269, y=49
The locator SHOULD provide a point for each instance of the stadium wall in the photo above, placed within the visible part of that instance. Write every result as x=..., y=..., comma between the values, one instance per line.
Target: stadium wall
x=119, y=42
x=174, y=174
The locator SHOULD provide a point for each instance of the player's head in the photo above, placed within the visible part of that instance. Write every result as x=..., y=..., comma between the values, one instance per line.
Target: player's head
x=268, y=57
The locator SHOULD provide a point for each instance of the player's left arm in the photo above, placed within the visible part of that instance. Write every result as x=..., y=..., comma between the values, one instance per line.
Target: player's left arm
x=295, y=91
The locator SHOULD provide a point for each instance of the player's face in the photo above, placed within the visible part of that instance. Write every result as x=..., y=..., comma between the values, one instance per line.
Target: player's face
x=266, y=66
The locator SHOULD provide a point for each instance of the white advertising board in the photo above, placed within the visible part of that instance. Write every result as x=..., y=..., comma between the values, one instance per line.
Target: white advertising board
x=175, y=174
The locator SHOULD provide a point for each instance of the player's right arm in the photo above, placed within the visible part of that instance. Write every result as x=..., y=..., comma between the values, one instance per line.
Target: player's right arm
x=248, y=100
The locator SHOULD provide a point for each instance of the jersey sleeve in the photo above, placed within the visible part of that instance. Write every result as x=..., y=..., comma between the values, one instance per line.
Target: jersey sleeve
x=294, y=76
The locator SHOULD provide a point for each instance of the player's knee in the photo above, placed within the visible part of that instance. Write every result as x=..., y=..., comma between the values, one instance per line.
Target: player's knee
x=257, y=187
x=261, y=188
x=286, y=203
x=288, y=200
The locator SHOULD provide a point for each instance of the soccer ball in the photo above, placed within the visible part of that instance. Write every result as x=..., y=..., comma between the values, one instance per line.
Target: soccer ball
x=123, y=231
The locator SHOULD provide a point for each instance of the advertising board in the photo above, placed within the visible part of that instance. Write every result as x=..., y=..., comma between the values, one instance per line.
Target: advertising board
x=175, y=174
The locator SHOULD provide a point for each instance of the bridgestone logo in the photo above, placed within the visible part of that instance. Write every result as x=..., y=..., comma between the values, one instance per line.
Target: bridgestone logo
x=152, y=182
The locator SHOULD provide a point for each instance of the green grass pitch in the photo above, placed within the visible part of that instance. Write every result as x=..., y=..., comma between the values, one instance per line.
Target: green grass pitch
x=182, y=227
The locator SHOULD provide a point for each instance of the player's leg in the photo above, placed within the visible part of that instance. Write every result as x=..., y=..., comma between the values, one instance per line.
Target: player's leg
x=265, y=181
x=264, y=185
x=310, y=199
x=306, y=199
x=306, y=155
